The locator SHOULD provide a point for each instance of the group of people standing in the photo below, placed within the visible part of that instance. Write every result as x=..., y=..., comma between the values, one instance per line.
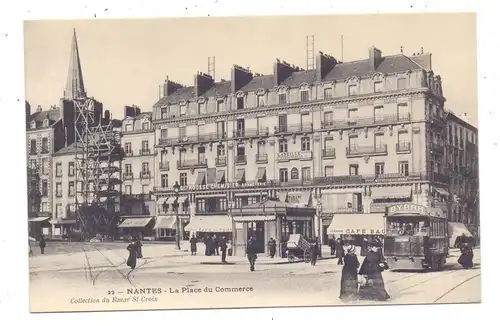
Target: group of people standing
x=214, y=246
x=365, y=283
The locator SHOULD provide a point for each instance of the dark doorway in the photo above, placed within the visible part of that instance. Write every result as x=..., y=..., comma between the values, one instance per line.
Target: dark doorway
x=257, y=229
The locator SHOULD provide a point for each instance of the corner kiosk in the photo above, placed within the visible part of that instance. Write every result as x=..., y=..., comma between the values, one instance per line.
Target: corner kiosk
x=416, y=237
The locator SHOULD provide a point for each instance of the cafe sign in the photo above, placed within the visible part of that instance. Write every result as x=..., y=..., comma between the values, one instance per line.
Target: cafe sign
x=349, y=231
x=289, y=156
x=407, y=209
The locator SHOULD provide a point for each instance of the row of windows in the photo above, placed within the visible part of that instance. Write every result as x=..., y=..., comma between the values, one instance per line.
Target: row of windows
x=44, y=149
x=71, y=169
x=283, y=98
x=144, y=147
x=146, y=125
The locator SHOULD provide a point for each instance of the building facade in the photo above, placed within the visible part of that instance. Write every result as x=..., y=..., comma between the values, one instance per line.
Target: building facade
x=346, y=138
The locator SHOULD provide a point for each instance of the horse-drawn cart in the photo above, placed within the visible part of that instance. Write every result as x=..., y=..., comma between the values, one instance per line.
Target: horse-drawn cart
x=298, y=248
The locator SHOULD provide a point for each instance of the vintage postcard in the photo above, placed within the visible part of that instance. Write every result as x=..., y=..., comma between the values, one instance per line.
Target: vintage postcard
x=252, y=162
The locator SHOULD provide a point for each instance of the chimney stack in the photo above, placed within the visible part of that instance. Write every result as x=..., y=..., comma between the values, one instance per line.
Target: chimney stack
x=107, y=115
x=375, y=58
x=39, y=108
x=324, y=64
x=283, y=70
x=202, y=83
x=28, y=109
x=239, y=77
x=129, y=111
x=170, y=86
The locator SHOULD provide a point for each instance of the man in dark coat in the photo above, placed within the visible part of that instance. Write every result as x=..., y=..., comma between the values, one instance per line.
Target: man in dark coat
x=331, y=244
x=272, y=247
x=42, y=244
x=139, y=248
x=223, y=249
x=193, y=241
x=339, y=251
x=207, y=245
x=132, y=254
x=314, y=251
x=215, y=243
x=251, y=252
x=372, y=267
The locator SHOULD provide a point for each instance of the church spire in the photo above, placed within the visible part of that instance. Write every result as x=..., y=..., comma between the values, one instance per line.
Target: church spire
x=74, y=85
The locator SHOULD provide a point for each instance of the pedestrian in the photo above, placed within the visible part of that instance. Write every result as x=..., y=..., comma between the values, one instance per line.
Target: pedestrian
x=339, y=251
x=207, y=245
x=467, y=253
x=331, y=244
x=314, y=252
x=349, y=279
x=371, y=269
x=132, y=254
x=193, y=241
x=223, y=249
x=215, y=245
x=272, y=247
x=139, y=248
x=251, y=252
x=42, y=244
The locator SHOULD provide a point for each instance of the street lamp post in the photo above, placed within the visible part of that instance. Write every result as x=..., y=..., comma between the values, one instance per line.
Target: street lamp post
x=177, y=224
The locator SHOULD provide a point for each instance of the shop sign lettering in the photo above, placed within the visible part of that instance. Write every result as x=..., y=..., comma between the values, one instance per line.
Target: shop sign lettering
x=408, y=209
x=361, y=231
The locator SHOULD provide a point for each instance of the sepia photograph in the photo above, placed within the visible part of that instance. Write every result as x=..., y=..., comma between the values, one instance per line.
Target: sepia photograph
x=245, y=162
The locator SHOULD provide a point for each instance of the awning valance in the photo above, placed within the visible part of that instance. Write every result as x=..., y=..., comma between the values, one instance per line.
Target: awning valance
x=282, y=196
x=161, y=200
x=214, y=223
x=456, y=229
x=240, y=175
x=219, y=176
x=390, y=192
x=63, y=222
x=442, y=191
x=254, y=218
x=170, y=200
x=165, y=223
x=261, y=174
x=138, y=222
x=200, y=179
x=38, y=219
x=302, y=198
x=366, y=224
x=210, y=196
x=247, y=194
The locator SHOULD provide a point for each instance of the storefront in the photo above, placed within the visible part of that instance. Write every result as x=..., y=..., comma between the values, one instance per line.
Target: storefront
x=270, y=219
x=357, y=227
x=62, y=228
x=40, y=225
x=209, y=225
x=135, y=226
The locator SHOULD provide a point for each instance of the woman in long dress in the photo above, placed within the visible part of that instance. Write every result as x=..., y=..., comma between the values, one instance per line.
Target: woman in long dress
x=349, y=280
x=132, y=254
x=372, y=267
x=467, y=254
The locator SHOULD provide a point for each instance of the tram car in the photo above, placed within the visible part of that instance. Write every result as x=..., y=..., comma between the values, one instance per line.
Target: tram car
x=416, y=238
x=298, y=248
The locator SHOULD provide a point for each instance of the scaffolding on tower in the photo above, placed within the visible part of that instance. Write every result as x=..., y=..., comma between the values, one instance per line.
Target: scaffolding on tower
x=97, y=166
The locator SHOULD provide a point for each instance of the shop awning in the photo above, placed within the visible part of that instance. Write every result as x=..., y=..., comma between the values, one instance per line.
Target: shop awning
x=138, y=222
x=210, y=196
x=200, y=179
x=240, y=175
x=366, y=224
x=63, y=222
x=261, y=174
x=214, y=223
x=38, y=219
x=247, y=194
x=219, y=176
x=456, y=229
x=161, y=200
x=254, y=218
x=390, y=192
x=282, y=196
x=170, y=200
x=442, y=192
x=165, y=223
x=302, y=198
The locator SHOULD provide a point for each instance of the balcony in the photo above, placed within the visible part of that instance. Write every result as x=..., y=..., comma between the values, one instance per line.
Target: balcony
x=356, y=151
x=192, y=164
x=295, y=182
x=241, y=159
x=145, y=151
x=145, y=175
x=39, y=214
x=249, y=133
x=294, y=129
x=436, y=148
x=403, y=148
x=45, y=151
x=221, y=161
x=329, y=153
x=201, y=138
x=261, y=158
x=344, y=210
x=128, y=176
x=366, y=121
x=291, y=156
x=129, y=153
x=164, y=166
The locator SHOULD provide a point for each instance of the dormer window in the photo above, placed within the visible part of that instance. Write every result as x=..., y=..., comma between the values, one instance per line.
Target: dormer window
x=128, y=127
x=145, y=125
x=260, y=101
x=33, y=124
x=304, y=96
x=45, y=123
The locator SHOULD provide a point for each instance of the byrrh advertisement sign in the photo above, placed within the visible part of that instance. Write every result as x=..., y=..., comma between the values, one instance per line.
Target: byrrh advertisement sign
x=410, y=209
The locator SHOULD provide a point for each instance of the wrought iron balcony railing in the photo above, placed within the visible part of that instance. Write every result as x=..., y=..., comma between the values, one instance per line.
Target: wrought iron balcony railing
x=261, y=158
x=241, y=159
x=145, y=151
x=329, y=153
x=164, y=166
x=366, y=121
x=193, y=163
x=403, y=147
x=128, y=176
x=366, y=150
x=220, y=160
x=145, y=174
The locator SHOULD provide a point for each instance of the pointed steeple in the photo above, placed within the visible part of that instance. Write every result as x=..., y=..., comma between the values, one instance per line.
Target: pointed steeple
x=75, y=88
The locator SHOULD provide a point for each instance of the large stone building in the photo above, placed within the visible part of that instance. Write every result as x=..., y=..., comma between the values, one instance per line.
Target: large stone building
x=346, y=138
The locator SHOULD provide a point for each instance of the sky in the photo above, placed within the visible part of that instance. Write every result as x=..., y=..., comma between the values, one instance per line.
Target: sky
x=125, y=61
